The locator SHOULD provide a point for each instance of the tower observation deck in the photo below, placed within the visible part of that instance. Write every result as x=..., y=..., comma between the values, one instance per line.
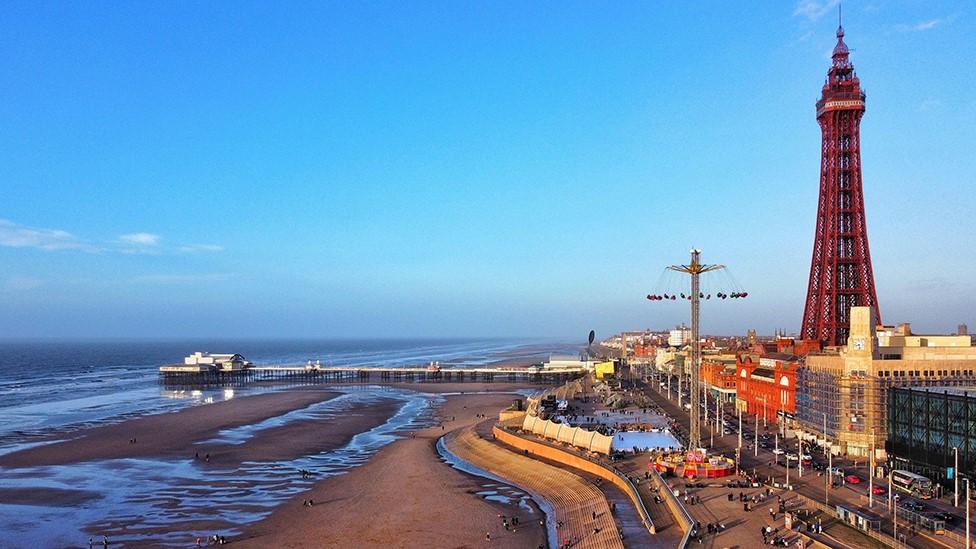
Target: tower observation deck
x=841, y=276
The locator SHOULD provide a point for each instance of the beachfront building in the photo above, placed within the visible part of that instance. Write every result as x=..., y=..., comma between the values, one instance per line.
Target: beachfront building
x=680, y=336
x=766, y=385
x=719, y=379
x=928, y=427
x=847, y=387
x=216, y=361
x=563, y=362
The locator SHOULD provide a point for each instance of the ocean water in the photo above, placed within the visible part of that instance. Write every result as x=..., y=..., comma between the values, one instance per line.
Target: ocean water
x=57, y=388
x=50, y=386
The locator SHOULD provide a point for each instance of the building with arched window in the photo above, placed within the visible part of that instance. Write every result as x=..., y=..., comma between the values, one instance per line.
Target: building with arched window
x=766, y=384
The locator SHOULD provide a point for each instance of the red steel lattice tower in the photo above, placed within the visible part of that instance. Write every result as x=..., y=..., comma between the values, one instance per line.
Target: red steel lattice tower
x=840, y=272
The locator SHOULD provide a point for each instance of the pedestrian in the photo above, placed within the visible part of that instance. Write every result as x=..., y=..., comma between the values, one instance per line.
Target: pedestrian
x=487, y=536
x=91, y=543
x=105, y=541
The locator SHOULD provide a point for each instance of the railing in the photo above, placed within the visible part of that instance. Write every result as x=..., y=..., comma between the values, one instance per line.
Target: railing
x=501, y=432
x=886, y=540
x=677, y=509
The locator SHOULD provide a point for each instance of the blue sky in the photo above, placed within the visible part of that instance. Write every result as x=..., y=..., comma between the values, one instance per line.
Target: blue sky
x=463, y=169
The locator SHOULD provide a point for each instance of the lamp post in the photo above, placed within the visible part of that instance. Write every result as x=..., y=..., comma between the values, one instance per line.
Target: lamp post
x=889, y=488
x=955, y=476
x=894, y=509
x=799, y=457
x=738, y=449
x=787, y=472
x=968, y=544
x=719, y=422
x=756, y=442
x=871, y=472
x=825, y=433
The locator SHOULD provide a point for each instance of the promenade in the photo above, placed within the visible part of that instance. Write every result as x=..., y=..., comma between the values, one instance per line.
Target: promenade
x=575, y=501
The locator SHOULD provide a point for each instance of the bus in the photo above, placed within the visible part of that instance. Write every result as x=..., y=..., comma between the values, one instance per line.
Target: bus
x=916, y=485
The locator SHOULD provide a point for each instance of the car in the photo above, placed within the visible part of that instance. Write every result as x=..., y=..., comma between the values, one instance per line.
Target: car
x=948, y=518
x=779, y=451
x=792, y=457
x=837, y=471
x=913, y=505
x=852, y=479
x=807, y=457
x=877, y=490
x=819, y=466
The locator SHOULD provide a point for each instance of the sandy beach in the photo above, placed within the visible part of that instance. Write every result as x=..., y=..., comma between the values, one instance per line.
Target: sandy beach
x=404, y=497
x=170, y=434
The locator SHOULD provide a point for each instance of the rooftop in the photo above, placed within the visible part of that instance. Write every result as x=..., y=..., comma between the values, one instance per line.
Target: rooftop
x=959, y=390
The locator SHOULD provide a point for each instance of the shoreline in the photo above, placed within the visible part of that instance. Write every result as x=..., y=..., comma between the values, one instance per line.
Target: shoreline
x=169, y=434
x=256, y=446
x=405, y=495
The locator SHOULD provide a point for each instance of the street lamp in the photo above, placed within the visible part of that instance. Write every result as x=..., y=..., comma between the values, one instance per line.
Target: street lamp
x=871, y=472
x=967, y=514
x=895, y=521
x=955, y=476
x=825, y=433
x=799, y=457
x=738, y=449
x=756, y=443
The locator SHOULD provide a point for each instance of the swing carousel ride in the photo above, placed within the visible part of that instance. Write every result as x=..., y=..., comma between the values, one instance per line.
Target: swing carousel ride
x=695, y=461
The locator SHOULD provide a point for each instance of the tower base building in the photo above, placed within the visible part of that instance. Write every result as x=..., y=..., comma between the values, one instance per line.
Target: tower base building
x=848, y=389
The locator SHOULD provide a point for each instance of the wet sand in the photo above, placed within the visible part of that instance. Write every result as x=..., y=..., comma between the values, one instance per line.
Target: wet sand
x=170, y=434
x=305, y=437
x=404, y=497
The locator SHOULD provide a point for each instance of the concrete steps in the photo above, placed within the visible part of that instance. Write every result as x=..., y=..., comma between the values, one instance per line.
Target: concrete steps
x=574, y=500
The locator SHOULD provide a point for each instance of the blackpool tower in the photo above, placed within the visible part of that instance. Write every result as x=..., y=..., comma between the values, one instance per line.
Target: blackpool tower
x=840, y=272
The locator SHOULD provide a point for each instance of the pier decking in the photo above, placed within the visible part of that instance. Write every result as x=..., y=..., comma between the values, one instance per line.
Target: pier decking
x=182, y=375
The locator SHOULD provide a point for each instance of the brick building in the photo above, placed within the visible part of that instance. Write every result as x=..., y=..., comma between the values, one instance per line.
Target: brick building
x=720, y=379
x=766, y=384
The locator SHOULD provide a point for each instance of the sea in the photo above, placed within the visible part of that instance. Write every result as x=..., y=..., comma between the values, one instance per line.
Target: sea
x=51, y=389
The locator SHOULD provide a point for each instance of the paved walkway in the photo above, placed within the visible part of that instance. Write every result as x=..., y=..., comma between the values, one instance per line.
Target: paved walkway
x=574, y=500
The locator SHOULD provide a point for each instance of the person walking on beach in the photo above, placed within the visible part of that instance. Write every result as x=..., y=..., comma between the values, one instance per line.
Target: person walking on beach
x=487, y=536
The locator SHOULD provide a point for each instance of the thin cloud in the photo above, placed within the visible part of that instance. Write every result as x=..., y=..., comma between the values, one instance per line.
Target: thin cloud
x=929, y=105
x=14, y=235
x=923, y=26
x=181, y=278
x=141, y=239
x=813, y=10
x=22, y=284
x=193, y=248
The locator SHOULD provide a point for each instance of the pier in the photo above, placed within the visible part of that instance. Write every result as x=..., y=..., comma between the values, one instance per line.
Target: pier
x=182, y=375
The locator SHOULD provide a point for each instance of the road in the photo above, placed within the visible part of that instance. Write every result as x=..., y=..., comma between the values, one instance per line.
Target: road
x=812, y=483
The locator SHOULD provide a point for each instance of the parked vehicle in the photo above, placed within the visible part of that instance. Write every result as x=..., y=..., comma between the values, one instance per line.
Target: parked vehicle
x=852, y=479
x=877, y=490
x=913, y=505
x=779, y=451
x=949, y=518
